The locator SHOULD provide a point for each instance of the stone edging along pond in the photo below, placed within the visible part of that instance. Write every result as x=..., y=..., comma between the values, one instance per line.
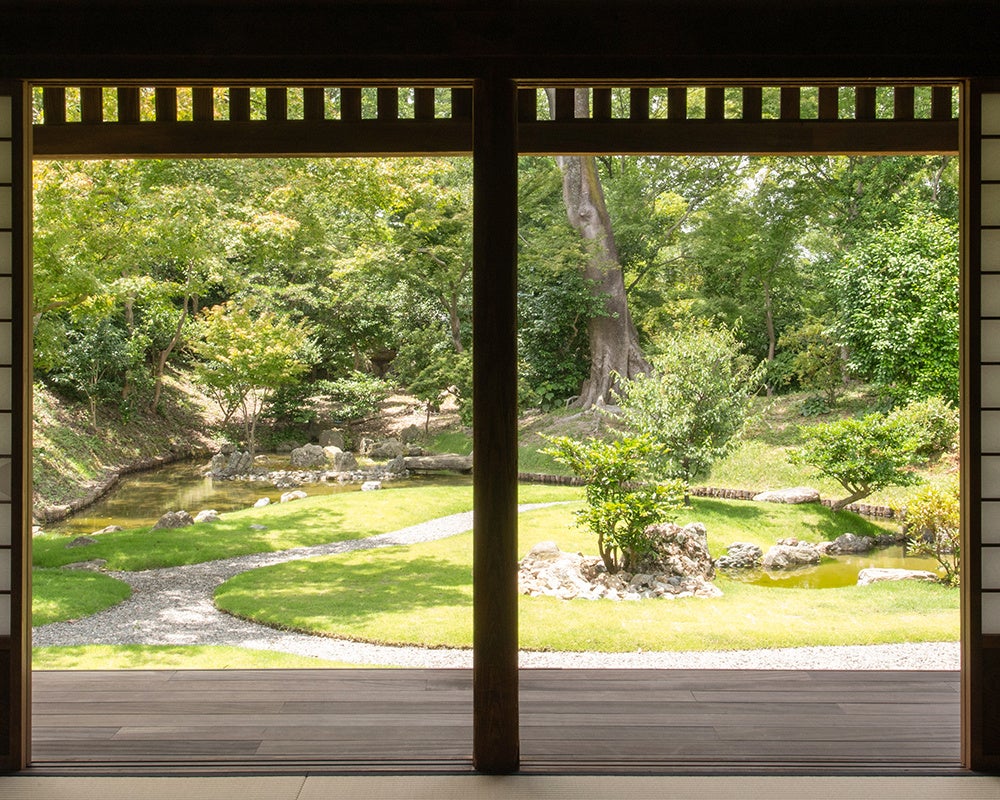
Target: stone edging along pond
x=109, y=481
x=863, y=509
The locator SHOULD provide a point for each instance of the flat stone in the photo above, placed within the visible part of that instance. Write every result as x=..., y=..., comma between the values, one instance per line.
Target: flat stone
x=264, y=501
x=81, y=541
x=371, y=486
x=94, y=565
x=297, y=494
x=108, y=529
x=871, y=575
x=797, y=494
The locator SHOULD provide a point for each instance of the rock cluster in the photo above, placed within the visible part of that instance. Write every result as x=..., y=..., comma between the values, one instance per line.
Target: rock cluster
x=740, y=556
x=791, y=554
x=309, y=456
x=682, y=569
x=226, y=464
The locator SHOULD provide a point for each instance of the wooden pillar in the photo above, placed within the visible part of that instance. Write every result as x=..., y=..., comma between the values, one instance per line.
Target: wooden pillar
x=981, y=428
x=15, y=428
x=495, y=686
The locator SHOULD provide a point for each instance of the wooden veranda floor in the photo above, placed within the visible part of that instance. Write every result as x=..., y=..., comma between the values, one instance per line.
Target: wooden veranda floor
x=686, y=721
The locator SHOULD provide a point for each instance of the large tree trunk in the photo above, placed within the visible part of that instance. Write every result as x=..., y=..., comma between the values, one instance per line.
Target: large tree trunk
x=614, y=341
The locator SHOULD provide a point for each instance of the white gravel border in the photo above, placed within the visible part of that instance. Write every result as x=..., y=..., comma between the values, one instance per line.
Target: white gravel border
x=173, y=606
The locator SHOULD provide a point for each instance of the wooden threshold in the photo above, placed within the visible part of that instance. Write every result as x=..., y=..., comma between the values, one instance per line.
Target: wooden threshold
x=572, y=721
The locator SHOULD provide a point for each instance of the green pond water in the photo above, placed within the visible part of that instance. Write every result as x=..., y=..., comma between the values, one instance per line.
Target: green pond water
x=139, y=500
x=832, y=573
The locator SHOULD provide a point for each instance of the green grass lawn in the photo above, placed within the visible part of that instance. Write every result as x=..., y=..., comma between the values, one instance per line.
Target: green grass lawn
x=315, y=520
x=423, y=595
x=70, y=594
x=136, y=656
x=59, y=595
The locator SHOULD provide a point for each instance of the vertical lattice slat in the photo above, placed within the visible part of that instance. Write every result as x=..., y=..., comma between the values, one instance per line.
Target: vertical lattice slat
x=638, y=104
x=677, y=100
x=715, y=103
x=601, y=101
x=128, y=105
x=941, y=102
x=350, y=104
x=387, y=104
x=276, y=104
x=54, y=105
x=166, y=104
x=313, y=104
x=791, y=103
x=423, y=104
x=91, y=105
x=202, y=104
x=864, y=102
x=829, y=102
x=565, y=104
x=903, y=100
x=239, y=104
x=753, y=103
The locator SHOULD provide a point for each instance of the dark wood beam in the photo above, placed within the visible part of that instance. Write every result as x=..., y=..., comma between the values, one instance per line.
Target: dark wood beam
x=260, y=138
x=770, y=137
x=495, y=679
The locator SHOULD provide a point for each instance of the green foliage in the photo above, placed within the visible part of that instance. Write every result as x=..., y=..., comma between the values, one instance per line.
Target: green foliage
x=430, y=369
x=818, y=362
x=356, y=396
x=932, y=519
x=93, y=364
x=621, y=500
x=696, y=403
x=863, y=454
x=932, y=423
x=245, y=356
x=897, y=298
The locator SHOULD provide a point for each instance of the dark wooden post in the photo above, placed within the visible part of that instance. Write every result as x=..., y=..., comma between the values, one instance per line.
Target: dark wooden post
x=495, y=716
x=15, y=429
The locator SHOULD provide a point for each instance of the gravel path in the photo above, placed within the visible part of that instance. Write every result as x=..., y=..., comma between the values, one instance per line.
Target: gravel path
x=174, y=606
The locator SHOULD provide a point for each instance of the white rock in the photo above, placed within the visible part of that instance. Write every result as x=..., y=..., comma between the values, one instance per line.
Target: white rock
x=797, y=494
x=297, y=494
x=208, y=515
x=371, y=486
x=264, y=501
x=871, y=575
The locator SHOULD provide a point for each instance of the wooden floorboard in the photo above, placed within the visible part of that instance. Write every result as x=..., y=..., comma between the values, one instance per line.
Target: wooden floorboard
x=612, y=720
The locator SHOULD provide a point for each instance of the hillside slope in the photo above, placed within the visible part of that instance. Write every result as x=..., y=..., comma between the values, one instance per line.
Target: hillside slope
x=72, y=462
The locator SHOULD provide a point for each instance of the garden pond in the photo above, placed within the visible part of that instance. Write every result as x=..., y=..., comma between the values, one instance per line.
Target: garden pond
x=140, y=499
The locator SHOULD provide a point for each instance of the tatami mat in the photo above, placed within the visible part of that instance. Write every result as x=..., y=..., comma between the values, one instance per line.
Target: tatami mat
x=477, y=787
